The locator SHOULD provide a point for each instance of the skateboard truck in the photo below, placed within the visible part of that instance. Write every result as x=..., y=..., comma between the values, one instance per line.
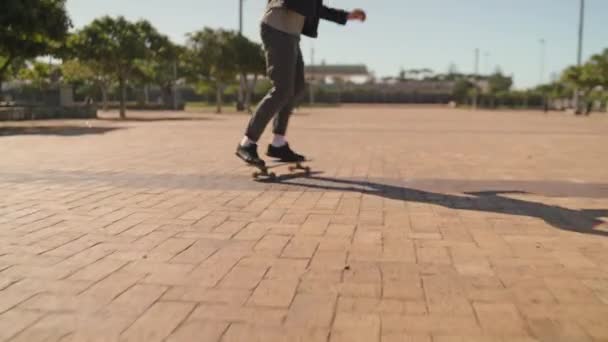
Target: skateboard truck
x=264, y=171
x=299, y=166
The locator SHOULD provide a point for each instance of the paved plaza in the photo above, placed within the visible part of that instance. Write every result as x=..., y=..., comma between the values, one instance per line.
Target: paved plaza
x=418, y=224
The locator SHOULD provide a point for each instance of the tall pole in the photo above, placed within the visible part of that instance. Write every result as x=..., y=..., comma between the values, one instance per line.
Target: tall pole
x=579, y=60
x=486, y=63
x=240, y=16
x=541, y=79
x=475, y=78
x=175, y=85
x=581, y=28
x=312, y=77
x=242, y=78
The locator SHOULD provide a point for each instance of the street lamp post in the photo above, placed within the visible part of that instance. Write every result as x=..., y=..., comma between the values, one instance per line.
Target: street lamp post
x=311, y=89
x=581, y=28
x=541, y=79
x=242, y=79
x=486, y=63
x=475, y=79
x=241, y=16
x=543, y=44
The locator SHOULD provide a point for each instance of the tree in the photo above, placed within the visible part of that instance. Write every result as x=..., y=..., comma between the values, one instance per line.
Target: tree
x=597, y=69
x=211, y=58
x=499, y=86
x=590, y=78
x=462, y=89
x=116, y=45
x=89, y=74
x=162, y=68
x=499, y=83
x=599, y=64
x=414, y=73
x=582, y=79
x=12, y=69
x=402, y=75
x=426, y=73
x=249, y=61
x=453, y=69
x=30, y=28
x=40, y=75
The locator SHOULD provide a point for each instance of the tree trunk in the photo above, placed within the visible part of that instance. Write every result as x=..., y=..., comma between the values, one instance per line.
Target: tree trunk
x=146, y=94
x=167, y=96
x=250, y=92
x=218, y=97
x=123, y=97
x=242, y=88
x=104, y=98
x=140, y=97
x=4, y=67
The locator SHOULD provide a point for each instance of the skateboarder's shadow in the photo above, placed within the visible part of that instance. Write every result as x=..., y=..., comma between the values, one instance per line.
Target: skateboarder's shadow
x=583, y=221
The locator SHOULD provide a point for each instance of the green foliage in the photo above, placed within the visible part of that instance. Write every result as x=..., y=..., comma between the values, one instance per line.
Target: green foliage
x=591, y=75
x=31, y=28
x=499, y=82
x=598, y=66
x=86, y=78
x=211, y=56
x=582, y=77
x=115, y=44
x=162, y=66
x=249, y=56
x=462, y=89
x=117, y=48
x=74, y=71
x=40, y=74
x=11, y=68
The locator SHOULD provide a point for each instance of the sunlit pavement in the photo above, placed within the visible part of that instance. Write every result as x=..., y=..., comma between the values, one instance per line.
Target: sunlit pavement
x=417, y=224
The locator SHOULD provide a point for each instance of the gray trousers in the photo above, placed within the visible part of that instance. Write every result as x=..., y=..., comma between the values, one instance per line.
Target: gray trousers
x=285, y=68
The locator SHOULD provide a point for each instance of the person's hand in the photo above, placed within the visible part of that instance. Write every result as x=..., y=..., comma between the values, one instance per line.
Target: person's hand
x=357, y=14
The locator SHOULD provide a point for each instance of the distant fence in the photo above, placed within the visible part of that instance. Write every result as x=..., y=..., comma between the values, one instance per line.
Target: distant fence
x=47, y=112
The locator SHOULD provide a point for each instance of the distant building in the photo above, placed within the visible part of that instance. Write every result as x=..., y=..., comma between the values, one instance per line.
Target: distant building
x=422, y=86
x=338, y=73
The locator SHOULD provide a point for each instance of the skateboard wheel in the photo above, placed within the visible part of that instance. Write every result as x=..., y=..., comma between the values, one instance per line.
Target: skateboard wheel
x=255, y=175
x=272, y=176
x=307, y=170
x=292, y=168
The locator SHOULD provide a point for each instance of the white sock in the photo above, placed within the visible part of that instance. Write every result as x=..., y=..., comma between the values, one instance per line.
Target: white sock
x=278, y=140
x=247, y=142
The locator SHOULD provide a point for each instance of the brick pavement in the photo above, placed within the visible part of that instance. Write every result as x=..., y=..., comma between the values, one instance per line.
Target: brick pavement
x=421, y=224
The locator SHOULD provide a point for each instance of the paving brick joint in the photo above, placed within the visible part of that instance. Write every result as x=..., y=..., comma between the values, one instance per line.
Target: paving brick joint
x=417, y=224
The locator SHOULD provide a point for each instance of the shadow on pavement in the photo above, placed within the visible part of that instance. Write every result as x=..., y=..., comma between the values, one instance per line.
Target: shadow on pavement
x=583, y=221
x=155, y=119
x=69, y=131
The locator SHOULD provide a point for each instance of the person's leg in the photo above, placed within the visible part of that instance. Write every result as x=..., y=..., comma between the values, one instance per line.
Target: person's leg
x=281, y=121
x=281, y=58
x=280, y=148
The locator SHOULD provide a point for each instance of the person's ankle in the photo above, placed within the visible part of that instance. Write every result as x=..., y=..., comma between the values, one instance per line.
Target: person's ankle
x=246, y=142
x=278, y=140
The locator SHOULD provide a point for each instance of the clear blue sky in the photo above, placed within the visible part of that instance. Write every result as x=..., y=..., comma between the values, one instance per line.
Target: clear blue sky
x=402, y=33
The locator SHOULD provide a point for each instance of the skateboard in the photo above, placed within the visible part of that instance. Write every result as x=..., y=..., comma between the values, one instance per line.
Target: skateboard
x=264, y=172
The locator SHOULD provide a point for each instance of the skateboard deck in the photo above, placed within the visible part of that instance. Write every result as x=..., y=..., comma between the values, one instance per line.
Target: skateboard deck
x=264, y=172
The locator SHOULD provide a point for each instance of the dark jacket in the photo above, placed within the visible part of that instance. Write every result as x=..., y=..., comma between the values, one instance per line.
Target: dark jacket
x=314, y=11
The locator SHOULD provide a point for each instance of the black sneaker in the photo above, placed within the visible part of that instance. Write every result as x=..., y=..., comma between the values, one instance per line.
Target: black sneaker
x=250, y=155
x=284, y=154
